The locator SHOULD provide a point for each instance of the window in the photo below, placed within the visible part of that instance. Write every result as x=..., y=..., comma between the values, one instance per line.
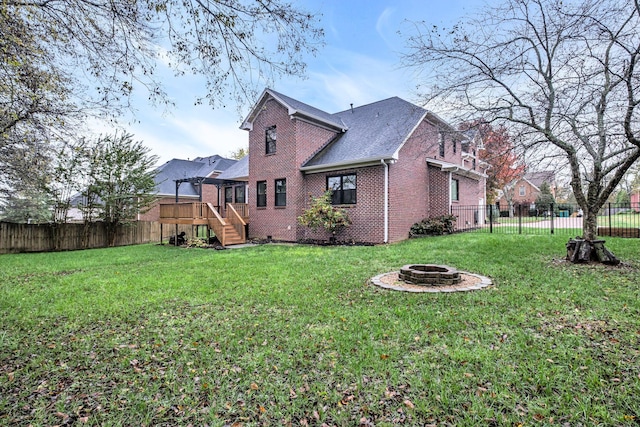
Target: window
x=281, y=192
x=441, y=144
x=523, y=190
x=270, y=140
x=455, y=190
x=240, y=194
x=455, y=146
x=262, y=194
x=344, y=189
x=228, y=195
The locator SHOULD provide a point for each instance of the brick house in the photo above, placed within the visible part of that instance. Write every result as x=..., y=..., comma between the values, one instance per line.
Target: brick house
x=192, y=176
x=526, y=189
x=390, y=164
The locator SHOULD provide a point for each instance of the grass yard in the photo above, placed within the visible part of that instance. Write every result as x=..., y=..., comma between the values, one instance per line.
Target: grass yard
x=626, y=220
x=294, y=335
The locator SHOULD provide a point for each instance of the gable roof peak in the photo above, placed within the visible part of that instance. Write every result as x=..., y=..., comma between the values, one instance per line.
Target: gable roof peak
x=295, y=109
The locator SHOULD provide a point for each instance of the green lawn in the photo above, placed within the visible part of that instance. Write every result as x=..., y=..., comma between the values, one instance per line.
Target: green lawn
x=628, y=220
x=279, y=334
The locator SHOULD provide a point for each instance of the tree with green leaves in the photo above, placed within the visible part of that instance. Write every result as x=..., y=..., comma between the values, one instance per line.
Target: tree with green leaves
x=545, y=200
x=562, y=74
x=117, y=175
x=64, y=60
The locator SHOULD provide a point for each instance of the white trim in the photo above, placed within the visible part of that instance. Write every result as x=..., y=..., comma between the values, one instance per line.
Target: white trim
x=247, y=124
x=371, y=161
x=457, y=169
x=386, y=201
x=450, y=198
x=397, y=152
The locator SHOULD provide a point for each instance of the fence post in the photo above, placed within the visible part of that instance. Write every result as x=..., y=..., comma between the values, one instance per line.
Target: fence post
x=490, y=219
x=519, y=218
x=553, y=213
x=609, y=211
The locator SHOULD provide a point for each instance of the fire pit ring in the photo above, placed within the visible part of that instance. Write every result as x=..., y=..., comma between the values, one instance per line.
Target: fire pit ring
x=430, y=275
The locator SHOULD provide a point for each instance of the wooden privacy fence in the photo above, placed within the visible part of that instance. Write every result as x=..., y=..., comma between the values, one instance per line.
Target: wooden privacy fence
x=65, y=237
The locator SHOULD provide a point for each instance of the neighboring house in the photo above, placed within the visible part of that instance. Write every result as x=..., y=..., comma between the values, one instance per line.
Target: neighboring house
x=635, y=200
x=191, y=177
x=526, y=189
x=390, y=164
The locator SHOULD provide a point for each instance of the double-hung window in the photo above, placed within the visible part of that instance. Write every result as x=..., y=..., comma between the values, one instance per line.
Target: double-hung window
x=343, y=189
x=281, y=192
x=240, y=194
x=455, y=190
x=270, y=135
x=262, y=194
x=228, y=195
x=441, y=144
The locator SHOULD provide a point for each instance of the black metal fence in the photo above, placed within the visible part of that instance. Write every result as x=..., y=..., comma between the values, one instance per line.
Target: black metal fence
x=614, y=219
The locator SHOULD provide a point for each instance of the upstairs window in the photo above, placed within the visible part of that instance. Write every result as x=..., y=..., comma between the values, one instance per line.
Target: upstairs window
x=441, y=144
x=455, y=146
x=343, y=188
x=281, y=192
x=523, y=190
x=262, y=194
x=270, y=140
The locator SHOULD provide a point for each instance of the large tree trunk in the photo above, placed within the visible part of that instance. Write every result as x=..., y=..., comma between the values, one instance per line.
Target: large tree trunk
x=590, y=224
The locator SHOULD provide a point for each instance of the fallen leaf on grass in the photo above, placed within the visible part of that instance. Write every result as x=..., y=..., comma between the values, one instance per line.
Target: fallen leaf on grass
x=384, y=356
x=409, y=404
x=254, y=386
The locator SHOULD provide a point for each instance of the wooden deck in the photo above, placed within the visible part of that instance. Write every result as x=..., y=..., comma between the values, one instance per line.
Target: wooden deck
x=230, y=230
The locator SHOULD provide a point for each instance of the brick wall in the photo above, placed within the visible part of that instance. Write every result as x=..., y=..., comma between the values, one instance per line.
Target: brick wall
x=530, y=195
x=295, y=142
x=367, y=215
x=438, y=191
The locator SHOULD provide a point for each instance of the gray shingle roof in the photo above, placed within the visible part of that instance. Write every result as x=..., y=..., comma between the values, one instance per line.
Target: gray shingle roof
x=375, y=131
x=538, y=178
x=200, y=167
x=238, y=171
x=307, y=110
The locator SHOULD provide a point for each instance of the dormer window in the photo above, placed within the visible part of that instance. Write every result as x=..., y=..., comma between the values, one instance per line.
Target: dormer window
x=270, y=140
x=441, y=144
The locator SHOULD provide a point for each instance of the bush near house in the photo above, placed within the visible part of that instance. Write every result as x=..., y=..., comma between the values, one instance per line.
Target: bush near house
x=322, y=214
x=435, y=226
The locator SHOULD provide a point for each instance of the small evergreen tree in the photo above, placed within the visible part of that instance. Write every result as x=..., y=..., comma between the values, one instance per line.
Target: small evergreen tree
x=323, y=214
x=545, y=199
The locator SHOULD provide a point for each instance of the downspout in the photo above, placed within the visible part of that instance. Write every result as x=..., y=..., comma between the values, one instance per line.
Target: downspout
x=450, y=204
x=386, y=200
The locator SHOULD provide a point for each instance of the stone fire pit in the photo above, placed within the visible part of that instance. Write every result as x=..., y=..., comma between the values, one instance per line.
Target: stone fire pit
x=430, y=278
x=430, y=275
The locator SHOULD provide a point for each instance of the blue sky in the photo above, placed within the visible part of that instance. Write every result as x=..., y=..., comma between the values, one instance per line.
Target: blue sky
x=359, y=64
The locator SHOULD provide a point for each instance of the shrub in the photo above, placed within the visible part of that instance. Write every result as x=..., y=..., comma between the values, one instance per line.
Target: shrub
x=323, y=214
x=434, y=226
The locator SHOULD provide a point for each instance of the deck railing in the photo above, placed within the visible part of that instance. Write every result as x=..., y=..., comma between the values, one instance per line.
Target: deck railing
x=216, y=222
x=241, y=208
x=195, y=210
x=235, y=219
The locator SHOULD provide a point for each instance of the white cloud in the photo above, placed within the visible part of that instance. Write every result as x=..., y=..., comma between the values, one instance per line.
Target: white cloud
x=383, y=26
